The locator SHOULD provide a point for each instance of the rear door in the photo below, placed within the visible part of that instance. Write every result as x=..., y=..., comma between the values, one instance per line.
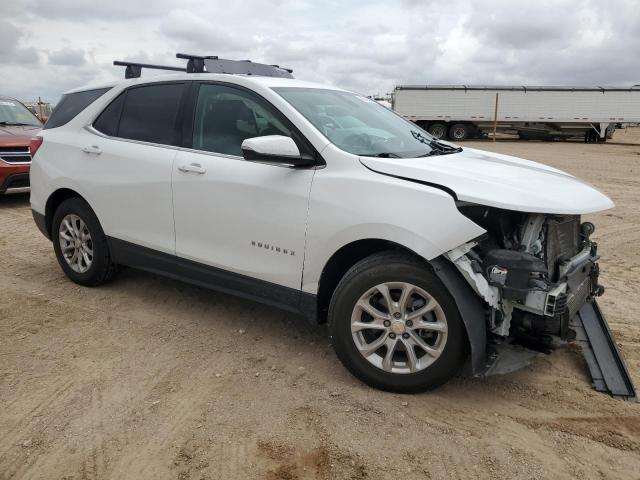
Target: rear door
x=240, y=216
x=129, y=159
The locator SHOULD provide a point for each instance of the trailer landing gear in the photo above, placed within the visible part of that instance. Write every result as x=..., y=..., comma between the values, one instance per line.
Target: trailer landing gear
x=591, y=136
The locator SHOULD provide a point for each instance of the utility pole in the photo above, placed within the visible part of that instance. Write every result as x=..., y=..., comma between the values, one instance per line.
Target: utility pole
x=495, y=120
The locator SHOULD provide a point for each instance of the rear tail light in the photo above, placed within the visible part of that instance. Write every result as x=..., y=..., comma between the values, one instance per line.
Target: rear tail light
x=35, y=145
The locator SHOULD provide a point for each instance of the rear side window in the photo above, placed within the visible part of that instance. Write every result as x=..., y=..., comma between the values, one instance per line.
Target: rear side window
x=109, y=119
x=150, y=113
x=71, y=105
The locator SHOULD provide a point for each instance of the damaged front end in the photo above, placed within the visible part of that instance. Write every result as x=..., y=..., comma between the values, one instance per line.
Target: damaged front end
x=538, y=277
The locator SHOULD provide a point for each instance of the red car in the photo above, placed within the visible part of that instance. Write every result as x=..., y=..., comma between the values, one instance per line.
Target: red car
x=17, y=126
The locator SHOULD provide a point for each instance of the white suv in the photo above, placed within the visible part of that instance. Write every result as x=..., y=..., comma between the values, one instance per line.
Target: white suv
x=320, y=201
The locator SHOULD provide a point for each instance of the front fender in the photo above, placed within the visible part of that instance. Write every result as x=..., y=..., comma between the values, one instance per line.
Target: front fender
x=350, y=203
x=471, y=310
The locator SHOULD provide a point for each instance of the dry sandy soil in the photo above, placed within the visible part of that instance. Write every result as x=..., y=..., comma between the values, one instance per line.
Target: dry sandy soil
x=150, y=378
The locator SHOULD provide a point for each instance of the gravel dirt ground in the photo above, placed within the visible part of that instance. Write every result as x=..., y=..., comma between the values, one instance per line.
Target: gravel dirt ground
x=150, y=378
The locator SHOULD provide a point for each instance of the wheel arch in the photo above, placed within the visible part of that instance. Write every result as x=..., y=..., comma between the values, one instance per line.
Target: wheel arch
x=470, y=306
x=54, y=201
x=342, y=260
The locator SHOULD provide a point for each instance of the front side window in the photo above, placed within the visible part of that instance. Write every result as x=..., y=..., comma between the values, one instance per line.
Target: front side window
x=226, y=116
x=359, y=125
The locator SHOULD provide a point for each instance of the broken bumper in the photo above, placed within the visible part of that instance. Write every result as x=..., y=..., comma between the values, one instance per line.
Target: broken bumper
x=607, y=367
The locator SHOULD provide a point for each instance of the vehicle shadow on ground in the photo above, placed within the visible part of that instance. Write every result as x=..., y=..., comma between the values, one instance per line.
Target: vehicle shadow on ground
x=281, y=329
x=14, y=200
x=267, y=320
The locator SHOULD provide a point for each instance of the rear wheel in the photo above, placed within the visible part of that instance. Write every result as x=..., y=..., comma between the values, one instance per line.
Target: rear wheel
x=438, y=130
x=80, y=244
x=458, y=132
x=395, y=326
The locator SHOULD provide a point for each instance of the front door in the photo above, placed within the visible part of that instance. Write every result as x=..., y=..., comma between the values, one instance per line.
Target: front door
x=239, y=216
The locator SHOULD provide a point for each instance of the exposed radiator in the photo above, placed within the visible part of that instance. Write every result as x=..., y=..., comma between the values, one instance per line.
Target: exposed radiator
x=562, y=241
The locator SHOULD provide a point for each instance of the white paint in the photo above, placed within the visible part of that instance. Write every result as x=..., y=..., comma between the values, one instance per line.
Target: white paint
x=276, y=145
x=500, y=181
x=138, y=191
x=519, y=105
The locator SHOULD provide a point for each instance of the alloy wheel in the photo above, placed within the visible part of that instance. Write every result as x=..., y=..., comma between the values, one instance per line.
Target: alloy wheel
x=399, y=327
x=75, y=243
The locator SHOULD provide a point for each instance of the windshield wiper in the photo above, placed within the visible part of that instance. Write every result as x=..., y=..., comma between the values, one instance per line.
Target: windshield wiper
x=437, y=148
x=383, y=155
x=430, y=153
x=15, y=124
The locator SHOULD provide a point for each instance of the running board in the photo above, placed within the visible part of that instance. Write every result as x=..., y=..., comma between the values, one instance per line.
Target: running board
x=608, y=370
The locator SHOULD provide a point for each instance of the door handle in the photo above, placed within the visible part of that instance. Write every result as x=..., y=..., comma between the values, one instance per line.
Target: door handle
x=92, y=149
x=192, y=167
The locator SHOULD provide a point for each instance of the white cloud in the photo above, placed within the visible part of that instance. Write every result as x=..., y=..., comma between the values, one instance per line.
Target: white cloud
x=11, y=50
x=67, y=56
x=48, y=46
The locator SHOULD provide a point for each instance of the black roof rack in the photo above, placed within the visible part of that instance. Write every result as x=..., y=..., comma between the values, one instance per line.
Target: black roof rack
x=195, y=63
x=134, y=69
x=210, y=64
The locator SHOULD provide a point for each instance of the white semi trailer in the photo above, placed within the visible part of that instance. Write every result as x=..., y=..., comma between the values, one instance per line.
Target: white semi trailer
x=462, y=111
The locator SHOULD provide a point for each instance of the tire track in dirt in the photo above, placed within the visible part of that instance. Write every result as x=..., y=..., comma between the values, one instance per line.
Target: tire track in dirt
x=50, y=404
x=622, y=433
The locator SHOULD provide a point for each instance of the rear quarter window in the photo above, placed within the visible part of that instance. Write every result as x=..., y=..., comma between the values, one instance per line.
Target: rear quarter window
x=109, y=119
x=71, y=105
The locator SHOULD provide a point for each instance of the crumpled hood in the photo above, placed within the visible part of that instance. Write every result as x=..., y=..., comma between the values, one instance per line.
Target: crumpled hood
x=498, y=181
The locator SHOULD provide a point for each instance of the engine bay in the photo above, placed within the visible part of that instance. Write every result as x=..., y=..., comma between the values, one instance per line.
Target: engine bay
x=533, y=270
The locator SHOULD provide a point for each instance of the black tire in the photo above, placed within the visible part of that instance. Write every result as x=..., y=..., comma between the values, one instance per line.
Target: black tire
x=438, y=130
x=458, y=132
x=102, y=268
x=394, y=267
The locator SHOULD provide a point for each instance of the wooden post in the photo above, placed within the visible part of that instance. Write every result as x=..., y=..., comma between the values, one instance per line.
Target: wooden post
x=495, y=119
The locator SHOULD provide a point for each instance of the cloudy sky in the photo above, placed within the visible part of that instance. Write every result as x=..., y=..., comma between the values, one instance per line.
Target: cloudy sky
x=49, y=46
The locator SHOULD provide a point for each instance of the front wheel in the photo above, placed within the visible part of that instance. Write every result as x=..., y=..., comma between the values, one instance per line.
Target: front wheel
x=395, y=326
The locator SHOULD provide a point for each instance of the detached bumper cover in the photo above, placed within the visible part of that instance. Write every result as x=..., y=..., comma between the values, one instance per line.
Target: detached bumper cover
x=607, y=367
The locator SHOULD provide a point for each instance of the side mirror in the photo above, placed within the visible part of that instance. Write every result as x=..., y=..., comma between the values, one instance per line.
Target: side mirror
x=275, y=149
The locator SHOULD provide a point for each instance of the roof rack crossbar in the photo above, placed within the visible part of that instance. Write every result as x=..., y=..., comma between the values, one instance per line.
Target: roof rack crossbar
x=211, y=64
x=134, y=69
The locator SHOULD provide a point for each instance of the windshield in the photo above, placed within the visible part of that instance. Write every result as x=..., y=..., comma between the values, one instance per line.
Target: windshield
x=361, y=126
x=14, y=113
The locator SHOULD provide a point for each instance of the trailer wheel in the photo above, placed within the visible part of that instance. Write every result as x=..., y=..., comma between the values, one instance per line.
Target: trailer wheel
x=438, y=130
x=459, y=131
